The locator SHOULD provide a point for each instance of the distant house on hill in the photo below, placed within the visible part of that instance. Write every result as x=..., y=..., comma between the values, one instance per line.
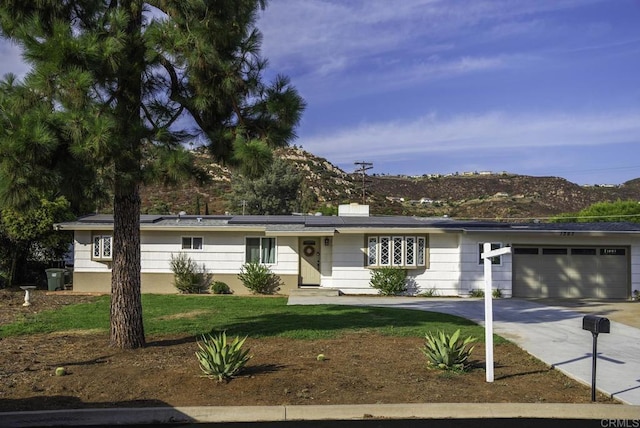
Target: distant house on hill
x=395, y=199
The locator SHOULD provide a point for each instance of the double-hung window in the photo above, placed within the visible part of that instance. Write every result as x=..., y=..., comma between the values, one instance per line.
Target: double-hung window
x=192, y=243
x=102, y=247
x=494, y=260
x=260, y=250
x=399, y=250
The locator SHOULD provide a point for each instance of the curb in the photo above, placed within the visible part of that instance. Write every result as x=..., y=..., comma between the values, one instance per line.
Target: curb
x=169, y=415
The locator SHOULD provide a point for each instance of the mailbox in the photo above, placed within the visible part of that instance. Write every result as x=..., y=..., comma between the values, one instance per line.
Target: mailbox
x=595, y=324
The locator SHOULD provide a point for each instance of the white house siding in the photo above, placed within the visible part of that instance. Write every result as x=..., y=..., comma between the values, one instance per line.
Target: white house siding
x=326, y=263
x=634, y=264
x=349, y=273
x=443, y=272
x=472, y=271
x=83, y=247
x=222, y=253
x=351, y=276
x=287, y=257
x=453, y=258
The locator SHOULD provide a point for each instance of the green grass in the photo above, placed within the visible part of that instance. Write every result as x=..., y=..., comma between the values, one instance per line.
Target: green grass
x=251, y=316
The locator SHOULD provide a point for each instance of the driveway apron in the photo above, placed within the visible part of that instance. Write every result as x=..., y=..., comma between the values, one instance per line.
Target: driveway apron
x=551, y=334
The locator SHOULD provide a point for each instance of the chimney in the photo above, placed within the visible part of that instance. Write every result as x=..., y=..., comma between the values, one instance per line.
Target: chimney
x=353, y=210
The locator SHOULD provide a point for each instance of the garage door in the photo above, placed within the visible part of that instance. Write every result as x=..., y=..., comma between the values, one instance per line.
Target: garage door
x=571, y=272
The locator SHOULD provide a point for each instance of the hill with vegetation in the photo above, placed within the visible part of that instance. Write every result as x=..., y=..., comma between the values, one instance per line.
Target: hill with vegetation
x=469, y=195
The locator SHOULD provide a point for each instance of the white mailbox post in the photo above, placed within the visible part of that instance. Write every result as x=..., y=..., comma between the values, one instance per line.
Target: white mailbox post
x=487, y=254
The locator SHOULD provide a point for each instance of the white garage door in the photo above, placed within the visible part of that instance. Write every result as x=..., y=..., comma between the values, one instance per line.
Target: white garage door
x=571, y=272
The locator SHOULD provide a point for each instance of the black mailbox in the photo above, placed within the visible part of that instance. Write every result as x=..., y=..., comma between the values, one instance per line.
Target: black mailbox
x=595, y=324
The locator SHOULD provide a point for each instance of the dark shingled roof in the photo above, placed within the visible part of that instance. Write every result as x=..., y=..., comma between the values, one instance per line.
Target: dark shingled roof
x=311, y=222
x=108, y=218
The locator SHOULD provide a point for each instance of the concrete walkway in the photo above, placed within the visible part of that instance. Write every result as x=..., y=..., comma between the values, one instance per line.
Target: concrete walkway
x=550, y=333
x=371, y=415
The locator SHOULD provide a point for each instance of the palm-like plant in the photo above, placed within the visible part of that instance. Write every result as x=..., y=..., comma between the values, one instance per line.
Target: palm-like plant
x=448, y=352
x=220, y=358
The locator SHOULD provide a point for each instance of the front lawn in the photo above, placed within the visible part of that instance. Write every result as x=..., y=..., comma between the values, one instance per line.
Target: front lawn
x=252, y=316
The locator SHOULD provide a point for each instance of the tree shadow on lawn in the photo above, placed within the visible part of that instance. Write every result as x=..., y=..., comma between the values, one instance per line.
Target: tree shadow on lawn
x=331, y=319
x=98, y=360
x=173, y=342
x=335, y=318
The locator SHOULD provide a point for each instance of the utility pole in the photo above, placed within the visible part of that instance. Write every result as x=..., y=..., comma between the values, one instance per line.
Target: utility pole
x=363, y=168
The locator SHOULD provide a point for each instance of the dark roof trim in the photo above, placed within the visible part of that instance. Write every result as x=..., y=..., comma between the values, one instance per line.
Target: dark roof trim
x=310, y=222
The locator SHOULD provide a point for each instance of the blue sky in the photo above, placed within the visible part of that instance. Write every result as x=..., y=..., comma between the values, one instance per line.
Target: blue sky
x=544, y=87
x=536, y=87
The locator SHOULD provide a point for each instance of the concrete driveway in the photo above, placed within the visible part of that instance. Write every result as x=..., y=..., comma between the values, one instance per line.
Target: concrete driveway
x=622, y=311
x=552, y=333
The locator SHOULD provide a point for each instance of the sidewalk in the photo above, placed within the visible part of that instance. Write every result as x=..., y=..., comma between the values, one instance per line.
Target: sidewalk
x=373, y=415
x=551, y=334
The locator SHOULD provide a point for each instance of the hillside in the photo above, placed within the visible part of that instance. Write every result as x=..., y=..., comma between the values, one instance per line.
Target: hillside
x=491, y=196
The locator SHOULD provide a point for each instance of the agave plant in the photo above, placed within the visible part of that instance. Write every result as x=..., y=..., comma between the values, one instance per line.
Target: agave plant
x=447, y=352
x=220, y=358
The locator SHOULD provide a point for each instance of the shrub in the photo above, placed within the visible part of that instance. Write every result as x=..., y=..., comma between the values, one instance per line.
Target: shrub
x=447, y=352
x=189, y=277
x=220, y=358
x=497, y=293
x=477, y=292
x=430, y=292
x=389, y=281
x=259, y=279
x=219, y=287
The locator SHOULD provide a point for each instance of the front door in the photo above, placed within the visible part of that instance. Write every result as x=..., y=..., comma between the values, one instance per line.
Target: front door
x=310, y=261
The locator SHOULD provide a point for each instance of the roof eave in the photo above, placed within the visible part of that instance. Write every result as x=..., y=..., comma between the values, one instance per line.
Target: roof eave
x=393, y=230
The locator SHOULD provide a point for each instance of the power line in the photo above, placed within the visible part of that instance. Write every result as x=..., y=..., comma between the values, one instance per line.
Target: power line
x=363, y=168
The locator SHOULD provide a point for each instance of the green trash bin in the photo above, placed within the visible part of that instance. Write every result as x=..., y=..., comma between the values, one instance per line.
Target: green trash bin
x=55, y=279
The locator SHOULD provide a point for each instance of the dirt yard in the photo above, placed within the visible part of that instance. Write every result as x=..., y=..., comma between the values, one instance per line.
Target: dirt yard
x=358, y=369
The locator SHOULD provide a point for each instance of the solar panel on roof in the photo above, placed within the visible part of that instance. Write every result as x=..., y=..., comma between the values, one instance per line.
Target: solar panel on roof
x=147, y=218
x=96, y=218
x=322, y=221
x=266, y=219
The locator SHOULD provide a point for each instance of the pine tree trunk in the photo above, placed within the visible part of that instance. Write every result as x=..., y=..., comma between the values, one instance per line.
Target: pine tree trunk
x=127, y=330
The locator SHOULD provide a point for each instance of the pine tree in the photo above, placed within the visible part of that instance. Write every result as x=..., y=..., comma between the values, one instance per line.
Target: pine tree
x=276, y=192
x=115, y=88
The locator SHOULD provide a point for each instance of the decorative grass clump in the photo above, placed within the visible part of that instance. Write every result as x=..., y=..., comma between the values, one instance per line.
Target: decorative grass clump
x=221, y=359
x=448, y=352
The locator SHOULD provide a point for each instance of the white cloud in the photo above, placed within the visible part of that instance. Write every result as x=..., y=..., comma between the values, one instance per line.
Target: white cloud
x=11, y=60
x=431, y=134
x=339, y=49
x=314, y=31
